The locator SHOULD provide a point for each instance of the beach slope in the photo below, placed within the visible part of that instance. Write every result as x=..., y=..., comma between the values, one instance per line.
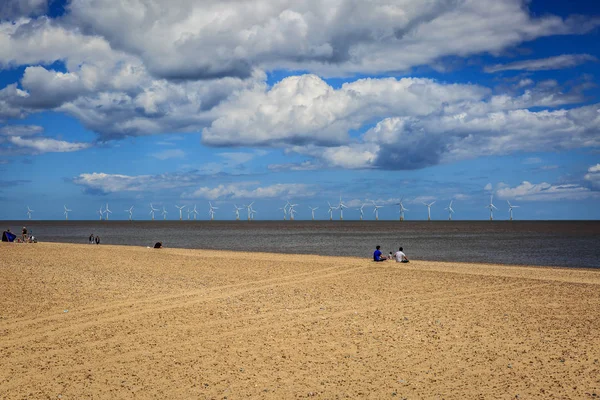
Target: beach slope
x=106, y=322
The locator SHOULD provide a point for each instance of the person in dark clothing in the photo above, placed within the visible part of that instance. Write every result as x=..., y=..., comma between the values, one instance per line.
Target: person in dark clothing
x=97, y=239
x=158, y=245
x=24, y=234
x=377, y=255
x=91, y=239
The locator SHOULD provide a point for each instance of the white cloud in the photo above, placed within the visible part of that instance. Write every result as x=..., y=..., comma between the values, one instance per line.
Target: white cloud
x=558, y=62
x=528, y=191
x=21, y=130
x=45, y=145
x=593, y=175
x=168, y=154
x=186, y=39
x=488, y=187
x=114, y=183
x=244, y=190
x=12, y=9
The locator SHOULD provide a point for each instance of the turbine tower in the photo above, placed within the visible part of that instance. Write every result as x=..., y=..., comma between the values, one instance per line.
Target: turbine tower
x=331, y=208
x=152, y=211
x=510, y=208
x=362, y=213
x=164, y=213
x=292, y=211
x=376, y=210
x=101, y=213
x=29, y=211
x=188, y=213
x=341, y=206
x=249, y=209
x=237, y=211
x=211, y=211
x=492, y=207
x=180, y=211
x=66, y=213
x=429, y=210
x=195, y=212
x=130, y=211
x=285, y=210
x=107, y=211
x=312, y=211
x=402, y=209
x=252, y=212
x=450, y=210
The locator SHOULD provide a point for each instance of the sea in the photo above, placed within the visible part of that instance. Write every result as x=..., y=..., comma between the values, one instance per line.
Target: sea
x=544, y=243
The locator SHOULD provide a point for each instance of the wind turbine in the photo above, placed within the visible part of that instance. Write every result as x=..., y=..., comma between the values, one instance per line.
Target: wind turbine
x=341, y=206
x=402, y=209
x=292, y=210
x=491, y=206
x=285, y=210
x=211, y=211
x=237, y=211
x=180, y=211
x=331, y=208
x=66, y=213
x=164, y=213
x=130, y=211
x=312, y=210
x=450, y=210
x=101, y=213
x=510, y=207
x=429, y=210
x=362, y=213
x=249, y=208
x=376, y=210
x=195, y=212
x=152, y=211
x=29, y=211
x=107, y=211
x=188, y=213
x=252, y=212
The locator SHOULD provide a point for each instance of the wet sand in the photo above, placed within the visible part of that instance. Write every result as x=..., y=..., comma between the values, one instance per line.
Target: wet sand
x=106, y=322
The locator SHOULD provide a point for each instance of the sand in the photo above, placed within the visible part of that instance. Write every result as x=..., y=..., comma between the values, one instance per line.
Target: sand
x=112, y=322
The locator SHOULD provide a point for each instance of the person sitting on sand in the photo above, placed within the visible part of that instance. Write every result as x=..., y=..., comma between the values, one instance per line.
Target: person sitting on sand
x=97, y=239
x=400, y=256
x=377, y=255
x=158, y=245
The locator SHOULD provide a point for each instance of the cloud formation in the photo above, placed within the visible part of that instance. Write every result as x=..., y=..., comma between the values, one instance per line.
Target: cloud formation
x=543, y=64
x=593, y=175
x=528, y=191
x=27, y=140
x=251, y=190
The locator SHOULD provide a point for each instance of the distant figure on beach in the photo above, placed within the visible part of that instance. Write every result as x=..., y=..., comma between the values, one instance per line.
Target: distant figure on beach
x=91, y=238
x=400, y=256
x=158, y=245
x=97, y=239
x=24, y=234
x=377, y=255
x=390, y=256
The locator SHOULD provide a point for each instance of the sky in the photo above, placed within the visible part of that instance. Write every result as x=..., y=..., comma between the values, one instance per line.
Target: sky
x=180, y=102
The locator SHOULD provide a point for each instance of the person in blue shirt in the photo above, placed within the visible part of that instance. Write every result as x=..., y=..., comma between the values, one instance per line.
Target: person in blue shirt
x=377, y=255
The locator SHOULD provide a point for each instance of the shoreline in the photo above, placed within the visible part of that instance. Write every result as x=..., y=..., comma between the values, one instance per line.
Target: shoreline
x=115, y=321
x=321, y=255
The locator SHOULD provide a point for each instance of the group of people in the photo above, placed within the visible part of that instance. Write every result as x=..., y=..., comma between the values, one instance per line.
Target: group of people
x=94, y=239
x=26, y=236
x=399, y=256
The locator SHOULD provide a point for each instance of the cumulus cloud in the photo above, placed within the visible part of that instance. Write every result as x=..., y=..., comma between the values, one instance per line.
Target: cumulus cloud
x=27, y=140
x=542, y=64
x=13, y=9
x=593, y=175
x=528, y=191
x=251, y=190
x=185, y=39
x=99, y=182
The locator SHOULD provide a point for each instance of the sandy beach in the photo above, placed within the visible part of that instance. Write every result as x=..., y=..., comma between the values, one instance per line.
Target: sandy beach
x=115, y=322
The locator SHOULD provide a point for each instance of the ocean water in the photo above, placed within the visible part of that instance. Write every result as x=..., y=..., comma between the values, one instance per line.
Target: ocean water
x=551, y=243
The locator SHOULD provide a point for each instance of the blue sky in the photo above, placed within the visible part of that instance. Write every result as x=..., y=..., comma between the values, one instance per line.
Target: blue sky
x=185, y=103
